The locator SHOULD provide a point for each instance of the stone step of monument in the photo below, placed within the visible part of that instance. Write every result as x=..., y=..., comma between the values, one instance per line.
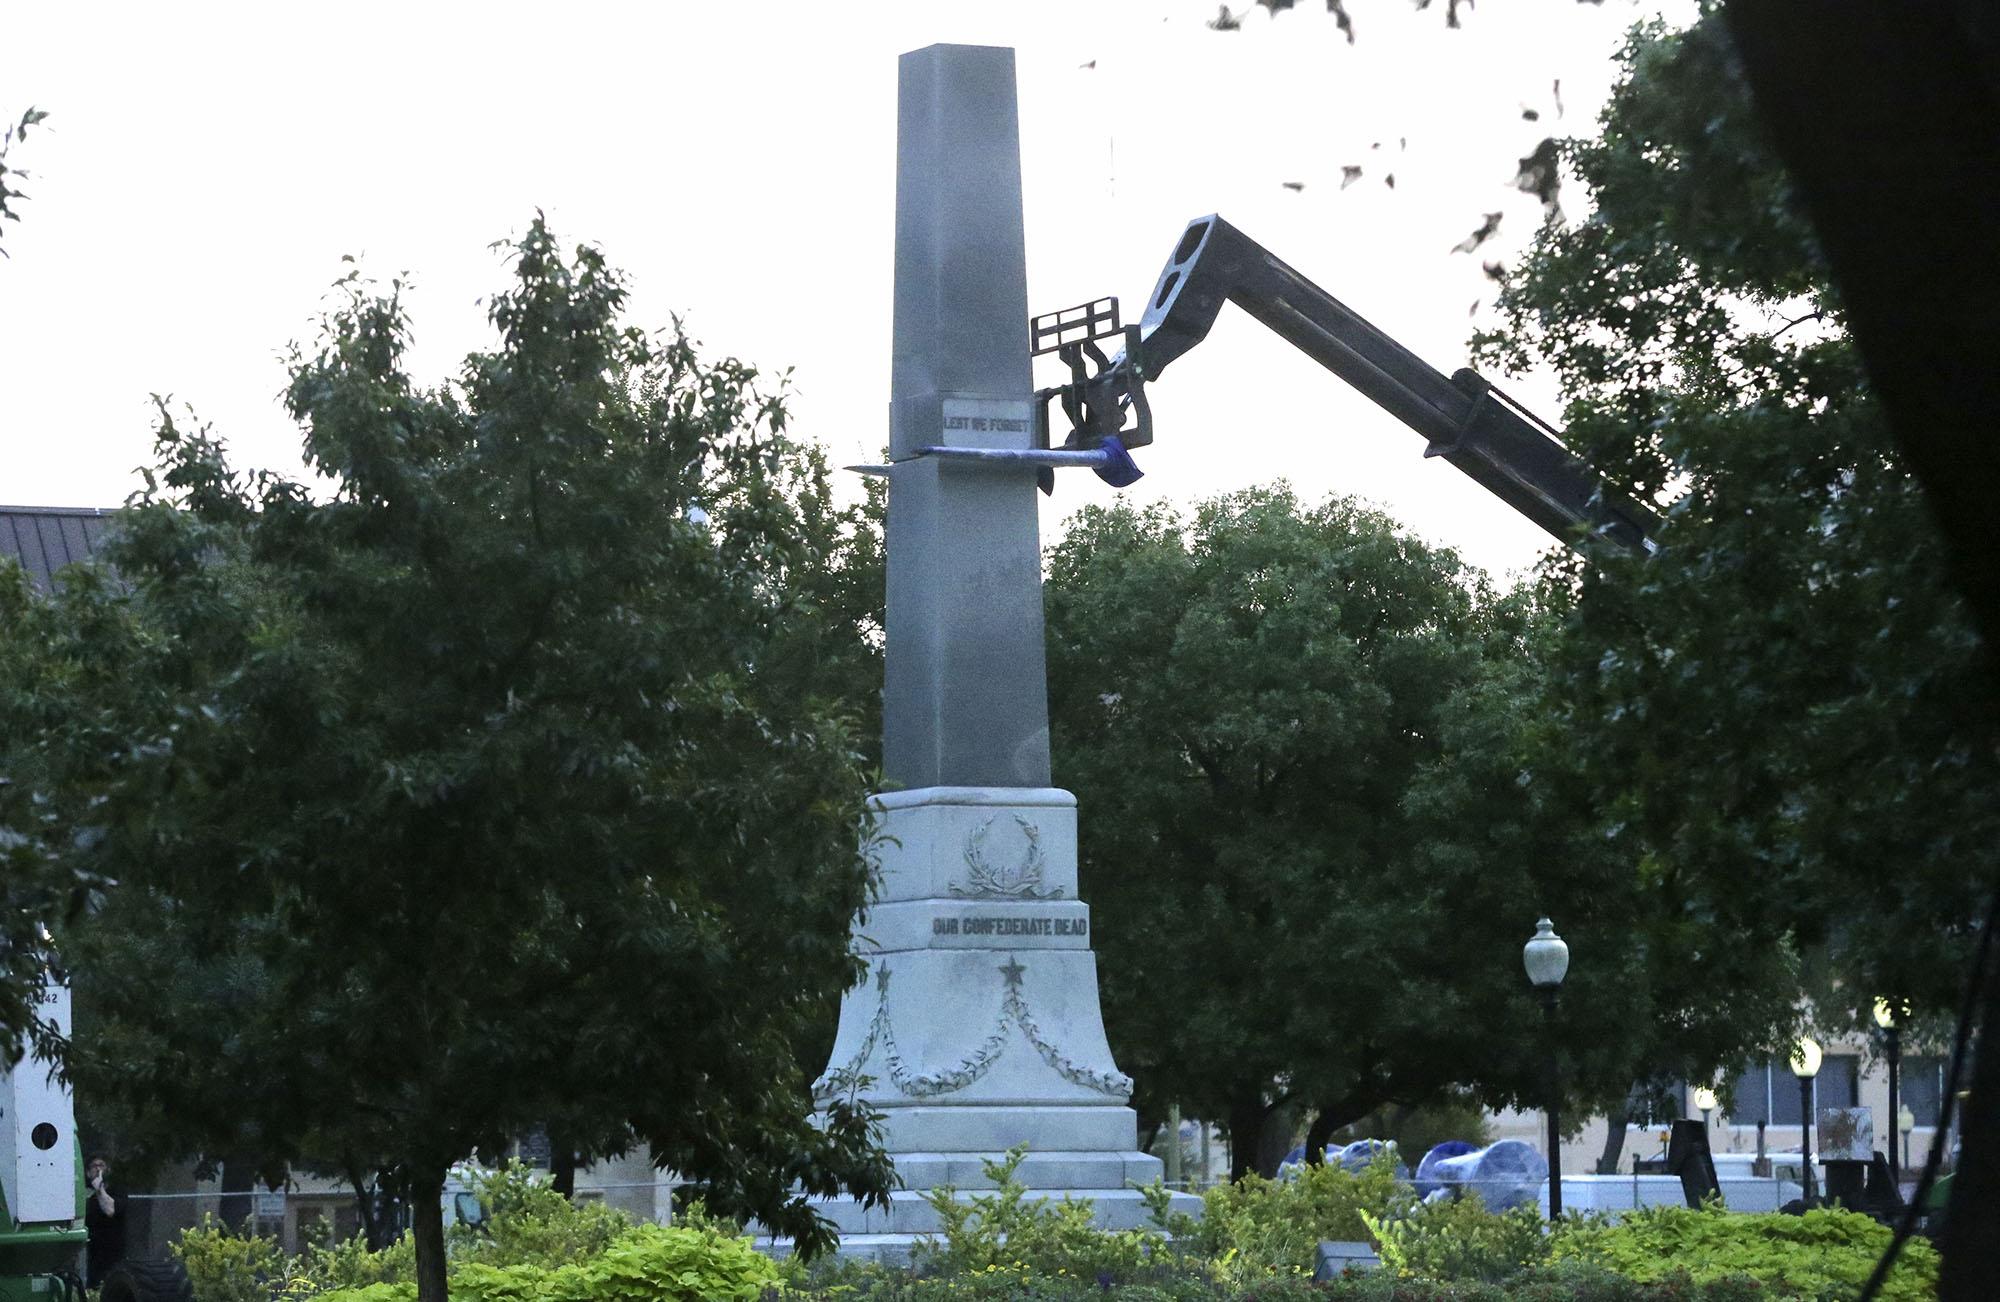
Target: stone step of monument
x=996, y=1127
x=1051, y=1170
x=886, y=1249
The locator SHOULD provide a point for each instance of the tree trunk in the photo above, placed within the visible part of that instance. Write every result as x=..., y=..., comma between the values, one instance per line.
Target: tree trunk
x=1883, y=116
x=1246, y=1126
x=1614, y=1137
x=369, y=1207
x=427, y=1221
x=1322, y=1128
x=1274, y=1140
x=1971, y=1230
x=1326, y=1121
x=562, y=1162
x=373, y=1205
x=238, y=1178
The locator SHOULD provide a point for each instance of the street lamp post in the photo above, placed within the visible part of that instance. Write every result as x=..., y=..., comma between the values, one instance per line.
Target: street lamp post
x=1806, y=1055
x=1888, y=1017
x=1906, y=1121
x=1547, y=959
x=1704, y=1102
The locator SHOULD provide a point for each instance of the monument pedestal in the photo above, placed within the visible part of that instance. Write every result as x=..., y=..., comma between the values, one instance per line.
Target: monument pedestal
x=978, y=1027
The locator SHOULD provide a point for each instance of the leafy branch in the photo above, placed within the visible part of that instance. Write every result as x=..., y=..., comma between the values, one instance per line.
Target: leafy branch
x=8, y=192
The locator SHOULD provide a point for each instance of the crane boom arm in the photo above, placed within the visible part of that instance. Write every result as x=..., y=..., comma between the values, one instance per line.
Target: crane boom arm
x=1465, y=420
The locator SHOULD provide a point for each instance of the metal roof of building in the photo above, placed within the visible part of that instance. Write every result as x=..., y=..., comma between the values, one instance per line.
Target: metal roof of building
x=46, y=538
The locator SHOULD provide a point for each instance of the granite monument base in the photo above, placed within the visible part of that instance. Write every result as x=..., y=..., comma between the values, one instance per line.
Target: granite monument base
x=978, y=1029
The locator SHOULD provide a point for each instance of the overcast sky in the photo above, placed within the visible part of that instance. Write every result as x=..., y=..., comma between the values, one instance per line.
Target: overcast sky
x=204, y=167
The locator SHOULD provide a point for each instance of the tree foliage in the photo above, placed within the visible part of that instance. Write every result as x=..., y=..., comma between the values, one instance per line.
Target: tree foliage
x=48, y=653
x=1241, y=702
x=485, y=792
x=1782, y=717
x=11, y=174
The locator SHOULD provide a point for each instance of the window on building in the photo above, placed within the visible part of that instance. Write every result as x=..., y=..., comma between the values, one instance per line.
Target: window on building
x=1922, y=1087
x=1768, y=1092
x=1751, y=1090
x=325, y=1221
x=533, y=1148
x=1839, y=1083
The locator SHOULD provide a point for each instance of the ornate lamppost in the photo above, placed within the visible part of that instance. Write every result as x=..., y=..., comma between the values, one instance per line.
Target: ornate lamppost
x=1546, y=957
x=1806, y=1055
x=1704, y=1102
x=1889, y=1017
x=1906, y=1121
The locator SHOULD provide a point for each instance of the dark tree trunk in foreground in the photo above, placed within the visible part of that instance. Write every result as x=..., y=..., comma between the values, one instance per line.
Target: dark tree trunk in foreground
x=1246, y=1130
x=1274, y=1137
x=1329, y=1119
x=238, y=1179
x=1972, y=1225
x=373, y=1209
x=427, y=1224
x=1614, y=1139
x=562, y=1162
x=1885, y=116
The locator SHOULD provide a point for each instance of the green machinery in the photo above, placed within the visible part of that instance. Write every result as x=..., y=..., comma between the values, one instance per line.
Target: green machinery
x=41, y=1176
x=42, y=1192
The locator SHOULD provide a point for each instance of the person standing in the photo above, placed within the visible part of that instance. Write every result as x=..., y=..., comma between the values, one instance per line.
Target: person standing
x=103, y=1221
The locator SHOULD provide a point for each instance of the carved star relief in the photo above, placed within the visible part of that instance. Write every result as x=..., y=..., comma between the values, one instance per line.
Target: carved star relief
x=1012, y=971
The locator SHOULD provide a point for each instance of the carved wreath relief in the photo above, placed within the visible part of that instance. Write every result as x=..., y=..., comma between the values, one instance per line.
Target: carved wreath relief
x=1022, y=881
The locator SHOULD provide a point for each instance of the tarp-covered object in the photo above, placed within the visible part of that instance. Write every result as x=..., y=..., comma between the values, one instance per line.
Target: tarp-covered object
x=1502, y=1175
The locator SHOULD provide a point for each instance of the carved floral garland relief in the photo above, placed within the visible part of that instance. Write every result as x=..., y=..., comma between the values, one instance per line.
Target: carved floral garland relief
x=1013, y=1012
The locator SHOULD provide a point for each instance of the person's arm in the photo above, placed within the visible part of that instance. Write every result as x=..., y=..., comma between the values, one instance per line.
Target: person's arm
x=105, y=1202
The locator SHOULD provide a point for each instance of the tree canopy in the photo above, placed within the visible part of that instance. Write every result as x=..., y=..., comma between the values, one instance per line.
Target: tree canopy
x=1784, y=712
x=1240, y=701
x=484, y=791
x=9, y=136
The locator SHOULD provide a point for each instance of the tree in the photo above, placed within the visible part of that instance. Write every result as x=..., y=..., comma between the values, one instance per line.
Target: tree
x=1906, y=230
x=1784, y=712
x=1509, y=816
x=34, y=891
x=8, y=138
x=483, y=774
x=1241, y=703
x=39, y=888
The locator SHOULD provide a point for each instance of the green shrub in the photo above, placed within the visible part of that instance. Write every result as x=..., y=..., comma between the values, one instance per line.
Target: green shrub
x=1257, y=1228
x=475, y=1281
x=652, y=1263
x=351, y=1264
x=1566, y=1282
x=675, y=1261
x=1458, y=1239
x=225, y=1266
x=401, y=1291
x=529, y=1223
x=1008, y=1234
x=1824, y=1252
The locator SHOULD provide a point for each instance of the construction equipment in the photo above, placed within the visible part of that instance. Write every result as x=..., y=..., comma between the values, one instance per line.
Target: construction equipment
x=41, y=1175
x=42, y=1190
x=1464, y=419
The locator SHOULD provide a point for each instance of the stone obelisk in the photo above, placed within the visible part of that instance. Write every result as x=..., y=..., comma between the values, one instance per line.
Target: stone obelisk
x=978, y=1028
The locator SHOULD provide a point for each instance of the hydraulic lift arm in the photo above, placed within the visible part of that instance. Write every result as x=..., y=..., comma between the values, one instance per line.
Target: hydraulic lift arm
x=1464, y=419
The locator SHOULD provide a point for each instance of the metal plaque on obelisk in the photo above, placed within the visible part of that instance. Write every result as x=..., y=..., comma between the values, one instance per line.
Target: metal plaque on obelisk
x=978, y=1028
